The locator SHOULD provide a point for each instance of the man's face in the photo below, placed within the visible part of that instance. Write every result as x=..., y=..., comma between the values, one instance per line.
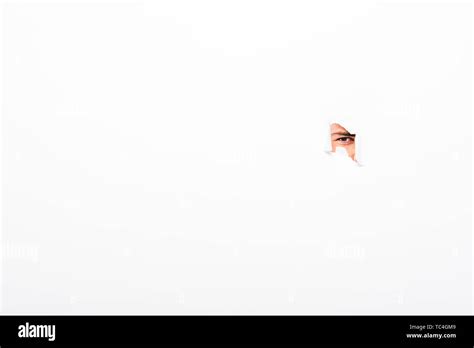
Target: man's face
x=341, y=137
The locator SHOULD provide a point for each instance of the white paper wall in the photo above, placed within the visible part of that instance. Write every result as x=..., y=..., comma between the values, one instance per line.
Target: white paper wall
x=168, y=157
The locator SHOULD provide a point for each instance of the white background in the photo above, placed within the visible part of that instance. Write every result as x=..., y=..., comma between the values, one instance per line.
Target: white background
x=167, y=157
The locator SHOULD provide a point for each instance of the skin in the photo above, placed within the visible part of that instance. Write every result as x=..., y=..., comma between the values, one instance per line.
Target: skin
x=341, y=137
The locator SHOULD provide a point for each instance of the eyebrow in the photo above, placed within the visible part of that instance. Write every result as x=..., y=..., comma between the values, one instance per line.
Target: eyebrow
x=347, y=134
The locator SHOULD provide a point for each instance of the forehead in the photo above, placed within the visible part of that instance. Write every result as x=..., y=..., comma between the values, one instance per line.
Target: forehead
x=337, y=128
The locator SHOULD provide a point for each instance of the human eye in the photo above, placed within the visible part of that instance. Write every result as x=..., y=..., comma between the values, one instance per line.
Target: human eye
x=345, y=140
